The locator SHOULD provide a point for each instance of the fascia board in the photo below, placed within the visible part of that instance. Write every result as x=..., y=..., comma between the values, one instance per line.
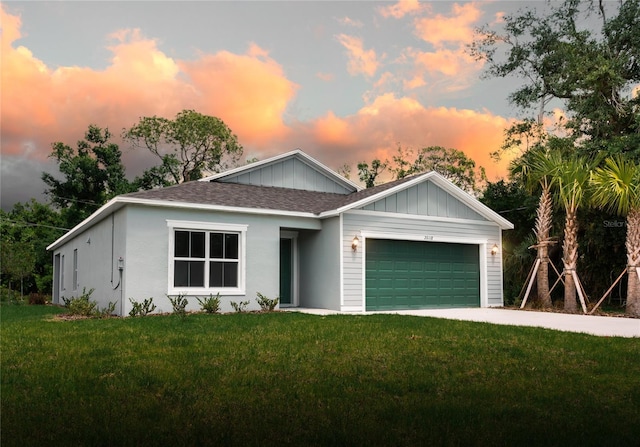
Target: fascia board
x=110, y=207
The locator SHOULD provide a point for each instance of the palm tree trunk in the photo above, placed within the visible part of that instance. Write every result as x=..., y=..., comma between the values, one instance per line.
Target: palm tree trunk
x=544, y=298
x=570, y=259
x=543, y=227
x=633, y=261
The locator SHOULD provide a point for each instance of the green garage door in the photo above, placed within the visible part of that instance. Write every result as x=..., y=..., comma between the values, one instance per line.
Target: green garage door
x=419, y=275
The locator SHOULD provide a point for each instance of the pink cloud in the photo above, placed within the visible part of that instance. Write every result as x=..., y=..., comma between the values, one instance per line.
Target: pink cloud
x=41, y=105
x=456, y=28
x=378, y=127
x=325, y=76
x=347, y=21
x=449, y=70
x=361, y=61
x=400, y=9
x=249, y=91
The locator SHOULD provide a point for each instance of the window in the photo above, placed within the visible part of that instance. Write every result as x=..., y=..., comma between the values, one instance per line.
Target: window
x=75, y=269
x=62, y=272
x=205, y=258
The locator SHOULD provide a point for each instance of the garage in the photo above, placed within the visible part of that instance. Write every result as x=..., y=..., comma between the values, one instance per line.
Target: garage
x=403, y=274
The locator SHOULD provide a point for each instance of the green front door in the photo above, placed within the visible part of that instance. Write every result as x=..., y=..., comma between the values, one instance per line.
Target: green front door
x=286, y=268
x=419, y=275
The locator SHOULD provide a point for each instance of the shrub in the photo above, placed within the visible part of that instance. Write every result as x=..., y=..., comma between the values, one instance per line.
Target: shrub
x=107, y=311
x=210, y=304
x=142, y=309
x=82, y=306
x=179, y=304
x=10, y=296
x=240, y=307
x=267, y=304
x=38, y=298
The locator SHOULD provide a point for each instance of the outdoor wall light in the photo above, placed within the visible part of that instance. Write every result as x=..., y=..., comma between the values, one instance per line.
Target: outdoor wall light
x=494, y=250
x=354, y=243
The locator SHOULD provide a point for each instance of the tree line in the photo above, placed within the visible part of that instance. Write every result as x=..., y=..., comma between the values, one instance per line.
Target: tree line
x=92, y=173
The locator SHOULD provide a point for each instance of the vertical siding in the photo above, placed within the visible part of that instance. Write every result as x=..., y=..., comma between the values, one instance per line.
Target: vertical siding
x=289, y=173
x=424, y=199
x=354, y=223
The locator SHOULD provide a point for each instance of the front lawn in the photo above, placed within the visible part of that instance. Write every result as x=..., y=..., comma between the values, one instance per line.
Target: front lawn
x=292, y=379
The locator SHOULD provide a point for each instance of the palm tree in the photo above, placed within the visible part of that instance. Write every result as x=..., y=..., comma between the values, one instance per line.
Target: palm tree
x=537, y=167
x=572, y=180
x=616, y=187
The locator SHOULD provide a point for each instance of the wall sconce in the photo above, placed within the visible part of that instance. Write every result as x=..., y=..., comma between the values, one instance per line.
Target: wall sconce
x=354, y=243
x=494, y=250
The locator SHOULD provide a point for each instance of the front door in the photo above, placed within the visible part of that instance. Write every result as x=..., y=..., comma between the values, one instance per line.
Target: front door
x=286, y=272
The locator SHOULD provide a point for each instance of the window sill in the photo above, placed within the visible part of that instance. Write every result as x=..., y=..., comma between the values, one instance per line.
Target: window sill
x=186, y=291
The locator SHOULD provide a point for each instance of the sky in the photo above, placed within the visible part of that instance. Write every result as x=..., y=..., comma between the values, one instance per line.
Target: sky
x=342, y=81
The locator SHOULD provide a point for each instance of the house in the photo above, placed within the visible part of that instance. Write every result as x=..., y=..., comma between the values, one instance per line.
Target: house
x=288, y=227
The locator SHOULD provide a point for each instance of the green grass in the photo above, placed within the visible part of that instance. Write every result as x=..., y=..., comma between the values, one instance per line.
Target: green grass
x=292, y=379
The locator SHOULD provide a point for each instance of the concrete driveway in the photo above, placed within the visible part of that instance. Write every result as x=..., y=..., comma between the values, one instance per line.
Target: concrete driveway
x=588, y=324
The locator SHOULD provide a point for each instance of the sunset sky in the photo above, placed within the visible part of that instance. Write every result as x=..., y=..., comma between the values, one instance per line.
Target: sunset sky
x=343, y=81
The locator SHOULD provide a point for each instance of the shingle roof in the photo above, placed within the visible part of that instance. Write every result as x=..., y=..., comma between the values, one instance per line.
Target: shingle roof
x=258, y=197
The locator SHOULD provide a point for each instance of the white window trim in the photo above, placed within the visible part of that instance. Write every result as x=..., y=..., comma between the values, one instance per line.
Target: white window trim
x=62, y=272
x=75, y=269
x=174, y=225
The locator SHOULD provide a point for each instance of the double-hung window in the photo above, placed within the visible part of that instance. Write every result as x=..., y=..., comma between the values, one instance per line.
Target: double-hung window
x=206, y=257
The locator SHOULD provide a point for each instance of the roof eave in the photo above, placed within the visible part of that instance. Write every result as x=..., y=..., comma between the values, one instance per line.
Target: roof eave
x=120, y=201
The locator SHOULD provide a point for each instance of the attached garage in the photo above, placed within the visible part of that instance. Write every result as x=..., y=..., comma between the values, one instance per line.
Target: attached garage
x=406, y=274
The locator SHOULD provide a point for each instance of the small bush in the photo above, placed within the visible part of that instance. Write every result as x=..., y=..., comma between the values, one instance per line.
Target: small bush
x=81, y=305
x=179, y=304
x=10, y=296
x=142, y=309
x=240, y=307
x=107, y=311
x=38, y=299
x=267, y=304
x=210, y=304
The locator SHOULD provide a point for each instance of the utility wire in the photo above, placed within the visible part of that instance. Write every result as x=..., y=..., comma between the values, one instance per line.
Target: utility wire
x=29, y=224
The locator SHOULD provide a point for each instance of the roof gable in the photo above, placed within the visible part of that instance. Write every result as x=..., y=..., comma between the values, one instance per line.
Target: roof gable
x=293, y=170
x=443, y=190
x=424, y=199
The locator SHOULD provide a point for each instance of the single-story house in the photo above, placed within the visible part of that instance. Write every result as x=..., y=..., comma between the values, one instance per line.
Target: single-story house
x=288, y=227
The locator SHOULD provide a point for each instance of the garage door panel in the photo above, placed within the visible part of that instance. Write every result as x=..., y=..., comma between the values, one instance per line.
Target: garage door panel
x=415, y=275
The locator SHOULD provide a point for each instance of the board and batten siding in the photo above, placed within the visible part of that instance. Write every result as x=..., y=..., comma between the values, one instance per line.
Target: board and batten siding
x=362, y=222
x=425, y=199
x=290, y=173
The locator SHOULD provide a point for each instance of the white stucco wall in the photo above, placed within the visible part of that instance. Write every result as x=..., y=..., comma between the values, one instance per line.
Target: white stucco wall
x=99, y=249
x=320, y=266
x=146, y=261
